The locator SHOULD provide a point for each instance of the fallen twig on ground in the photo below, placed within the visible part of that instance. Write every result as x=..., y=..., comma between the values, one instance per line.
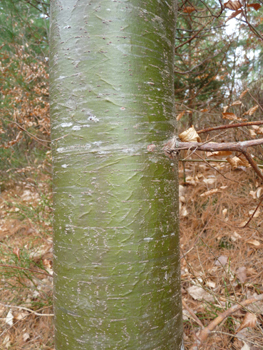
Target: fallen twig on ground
x=26, y=309
x=207, y=330
x=191, y=312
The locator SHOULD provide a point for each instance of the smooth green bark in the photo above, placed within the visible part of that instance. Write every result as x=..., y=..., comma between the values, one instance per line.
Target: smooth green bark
x=116, y=244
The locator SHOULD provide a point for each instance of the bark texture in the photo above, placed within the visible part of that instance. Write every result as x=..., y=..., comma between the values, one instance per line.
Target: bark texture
x=116, y=244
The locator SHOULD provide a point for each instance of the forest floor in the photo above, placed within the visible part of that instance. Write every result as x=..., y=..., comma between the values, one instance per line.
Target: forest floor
x=221, y=257
x=26, y=318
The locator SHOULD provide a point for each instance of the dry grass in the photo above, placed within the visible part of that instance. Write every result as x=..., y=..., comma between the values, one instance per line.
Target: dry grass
x=222, y=259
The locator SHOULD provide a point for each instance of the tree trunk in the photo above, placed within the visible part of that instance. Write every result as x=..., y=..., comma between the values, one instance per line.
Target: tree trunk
x=116, y=237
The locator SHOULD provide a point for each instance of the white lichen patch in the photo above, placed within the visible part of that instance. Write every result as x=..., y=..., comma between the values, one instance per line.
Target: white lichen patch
x=66, y=125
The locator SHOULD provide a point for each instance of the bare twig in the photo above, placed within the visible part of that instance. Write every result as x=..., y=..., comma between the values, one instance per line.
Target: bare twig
x=198, y=65
x=253, y=163
x=30, y=135
x=26, y=309
x=183, y=160
x=194, y=36
x=255, y=100
x=220, y=127
x=212, y=167
x=253, y=29
x=254, y=212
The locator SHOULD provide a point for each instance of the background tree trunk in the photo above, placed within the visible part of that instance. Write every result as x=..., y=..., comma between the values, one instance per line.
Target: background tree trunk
x=116, y=243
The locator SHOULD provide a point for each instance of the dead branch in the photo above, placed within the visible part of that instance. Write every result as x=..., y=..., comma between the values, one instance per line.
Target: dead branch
x=175, y=145
x=207, y=330
x=220, y=127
